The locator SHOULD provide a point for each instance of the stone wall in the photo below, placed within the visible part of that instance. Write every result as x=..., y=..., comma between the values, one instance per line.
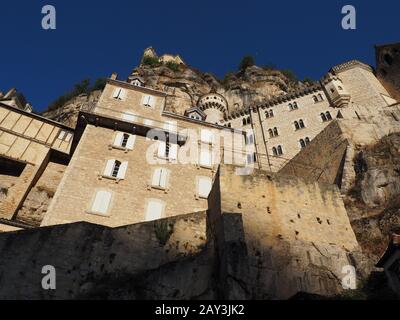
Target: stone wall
x=167, y=259
x=279, y=235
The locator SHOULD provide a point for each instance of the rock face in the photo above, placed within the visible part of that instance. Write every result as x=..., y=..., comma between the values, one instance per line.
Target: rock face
x=241, y=89
x=373, y=204
x=186, y=85
x=68, y=113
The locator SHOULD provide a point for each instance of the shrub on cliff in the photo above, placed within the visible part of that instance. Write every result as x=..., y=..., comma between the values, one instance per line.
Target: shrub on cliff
x=247, y=61
x=150, y=61
x=79, y=88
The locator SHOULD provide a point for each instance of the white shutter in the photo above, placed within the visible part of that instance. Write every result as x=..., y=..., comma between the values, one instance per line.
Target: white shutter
x=101, y=202
x=146, y=100
x=163, y=177
x=204, y=186
x=205, y=157
x=206, y=136
x=109, y=168
x=154, y=210
x=161, y=149
x=156, y=177
x=118, y=139
x=173, y=152
x=116, y=93
x=61, y=135
x=152, y=101
x=122, y=95
x=128, y=116
x=122, y=170
x=131, y=142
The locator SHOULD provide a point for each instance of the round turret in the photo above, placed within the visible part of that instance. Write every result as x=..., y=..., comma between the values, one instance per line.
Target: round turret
x=214, y=106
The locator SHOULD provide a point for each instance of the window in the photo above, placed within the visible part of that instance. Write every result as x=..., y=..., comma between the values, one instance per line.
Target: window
x=296, y=125
x=249, y=139
x=119, y=94
x=124, y=140
x=321, y=98
x=251, y=158
x=115, y=169
x=101, y=202
x=315, y=99
x=195, y=116
x=160, y=178
x=128, y=116
x=166, y=150
x=293, y=106
x=388, y=59
x=61, y=135
x=307, y=140
x=273, y=132
x=277, y=151
x=205, y=158
x=206, y=136
x=340, y=88
x=301, y=124
x=246, y=121
x=155, y=209
x=148, y=101
x=302, y=143
x=269, y=114
x=328, y=115
x=204, y=185
x=323, y=117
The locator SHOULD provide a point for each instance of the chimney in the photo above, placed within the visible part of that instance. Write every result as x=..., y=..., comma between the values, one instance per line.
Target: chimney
x=10, y=93
x=114, y=76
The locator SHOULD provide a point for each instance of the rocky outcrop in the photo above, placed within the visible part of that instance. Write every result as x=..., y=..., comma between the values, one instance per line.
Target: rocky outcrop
x=68, y=113
x=185, y=85
x=373, y=204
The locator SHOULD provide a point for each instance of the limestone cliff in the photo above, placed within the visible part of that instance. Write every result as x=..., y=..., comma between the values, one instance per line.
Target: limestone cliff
x=185, y=85
x=373, y=204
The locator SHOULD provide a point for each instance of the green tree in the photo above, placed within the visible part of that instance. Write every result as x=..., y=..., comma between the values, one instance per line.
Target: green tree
x=290, y=75
x=99, y=84
x=247, y=61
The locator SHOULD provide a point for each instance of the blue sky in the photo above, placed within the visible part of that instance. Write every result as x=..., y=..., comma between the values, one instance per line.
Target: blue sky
x=95, y=38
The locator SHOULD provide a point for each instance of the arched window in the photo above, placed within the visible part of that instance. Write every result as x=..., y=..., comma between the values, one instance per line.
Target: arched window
x=321, y=98
x=271, y=133
x=248, y=121
x=328, y=115
x=307, y=140
x=295, y=105
x=301, y=124
x=274, y=151
x=296, y=125
x=244, y=121
x=290, y=106
x=280, y=152
x=271, y=113
x=302, y=143
x=276, y=131
x=315, y=99
x=267, y=114
x=323, y=117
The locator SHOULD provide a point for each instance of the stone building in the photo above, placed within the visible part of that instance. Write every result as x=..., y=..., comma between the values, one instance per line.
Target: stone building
x=245, y=184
